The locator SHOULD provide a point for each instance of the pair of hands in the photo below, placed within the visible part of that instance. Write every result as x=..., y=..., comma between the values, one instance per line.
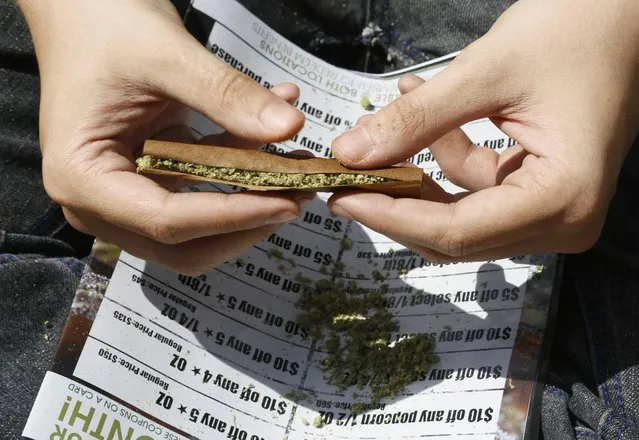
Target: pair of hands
x=559, y=77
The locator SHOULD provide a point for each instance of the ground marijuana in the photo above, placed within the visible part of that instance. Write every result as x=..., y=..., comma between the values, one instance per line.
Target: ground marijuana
x=366, y=104
x=346, y=244
x=354, y=327
x=259, y=178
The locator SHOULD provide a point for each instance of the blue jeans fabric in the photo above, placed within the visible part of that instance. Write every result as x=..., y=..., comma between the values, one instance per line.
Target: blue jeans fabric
x=592, y=386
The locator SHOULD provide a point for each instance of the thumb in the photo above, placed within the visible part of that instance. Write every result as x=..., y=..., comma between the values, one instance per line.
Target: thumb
x=239, y=104
x=413, y=121
x=287, y=91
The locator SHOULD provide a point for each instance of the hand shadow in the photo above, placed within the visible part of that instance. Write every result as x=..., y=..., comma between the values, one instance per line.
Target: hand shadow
x=248, y=350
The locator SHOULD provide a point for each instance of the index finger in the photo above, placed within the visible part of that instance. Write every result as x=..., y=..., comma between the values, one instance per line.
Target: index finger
x=223, y=94
x=133, y=202
x=417, y=119
x=493, y=217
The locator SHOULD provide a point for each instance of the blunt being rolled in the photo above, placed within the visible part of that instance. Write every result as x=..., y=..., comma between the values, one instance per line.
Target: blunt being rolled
x=262, y=171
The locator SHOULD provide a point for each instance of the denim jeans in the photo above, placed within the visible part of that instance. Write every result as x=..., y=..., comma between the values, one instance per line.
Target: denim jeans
x=592, y=386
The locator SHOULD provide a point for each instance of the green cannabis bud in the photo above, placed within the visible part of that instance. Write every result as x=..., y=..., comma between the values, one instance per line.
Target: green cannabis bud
x=354, y=327
x=259, y=178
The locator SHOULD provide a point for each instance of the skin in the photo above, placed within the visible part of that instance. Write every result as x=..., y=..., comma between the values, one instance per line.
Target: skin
x=560, y=77
x=103, y=95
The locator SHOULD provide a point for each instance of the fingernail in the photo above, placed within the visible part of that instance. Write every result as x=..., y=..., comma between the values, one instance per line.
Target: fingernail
x=282, y=217
x=279, y=116
x=354, y=146
x=338, y=210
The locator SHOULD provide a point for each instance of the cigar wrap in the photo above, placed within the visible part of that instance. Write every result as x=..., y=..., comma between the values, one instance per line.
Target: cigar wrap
x=262, y=171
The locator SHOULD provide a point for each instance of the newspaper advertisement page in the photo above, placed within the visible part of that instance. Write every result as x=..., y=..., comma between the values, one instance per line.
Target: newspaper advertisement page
x=152, y=354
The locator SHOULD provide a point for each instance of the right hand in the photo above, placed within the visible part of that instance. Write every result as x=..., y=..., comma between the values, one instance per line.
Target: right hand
x=559, y=77
x=115, y=73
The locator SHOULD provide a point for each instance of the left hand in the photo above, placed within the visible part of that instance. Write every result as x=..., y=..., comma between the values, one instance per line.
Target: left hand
x=562, y=78
x=115, y=73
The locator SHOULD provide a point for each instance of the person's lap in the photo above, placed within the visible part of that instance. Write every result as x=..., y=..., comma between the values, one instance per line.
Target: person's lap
x=593, y=364
x=37, y=271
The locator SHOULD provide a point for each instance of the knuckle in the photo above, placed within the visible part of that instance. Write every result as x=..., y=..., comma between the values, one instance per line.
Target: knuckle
x=53, y=186
x=56, y=193
x=586, y=211
x=408, y=116
x=451, y=243
x=75, y=222
x=583, y=217
x=163, y=231
x=231, y=223
x=454, y=244
x=586, y=238
x=577, y=219
x=65, y=175
x=230, y=87
x=160, y=224
x=452, y=240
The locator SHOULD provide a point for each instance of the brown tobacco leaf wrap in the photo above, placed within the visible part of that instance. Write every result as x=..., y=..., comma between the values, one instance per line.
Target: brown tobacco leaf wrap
x=406, y=181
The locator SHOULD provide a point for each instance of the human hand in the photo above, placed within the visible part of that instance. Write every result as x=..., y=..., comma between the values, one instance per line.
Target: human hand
x=117, y=72
x=562, y=78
